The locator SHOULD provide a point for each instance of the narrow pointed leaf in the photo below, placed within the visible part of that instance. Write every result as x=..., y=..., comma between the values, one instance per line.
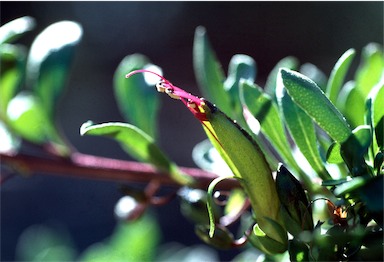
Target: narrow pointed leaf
x=208, y=71
x=352, y=97
x=49, y=61
x=376, y=97
x=294, y=200
x=339, y=71
x=261, y=106
x=135, y=97
x=241, y=67
x=307, y=95
x=14, y=29
x=314, y=73
x=136, y=143
x=12, y=73
x=211, y=203
x=371, y=68
x=248, y=164
x=301, y=128
x=289, y=62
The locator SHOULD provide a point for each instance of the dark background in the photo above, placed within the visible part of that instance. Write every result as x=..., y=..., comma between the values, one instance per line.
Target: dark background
x=316, y=32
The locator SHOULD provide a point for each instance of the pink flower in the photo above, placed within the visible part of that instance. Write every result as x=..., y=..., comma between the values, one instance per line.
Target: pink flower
x=195, y=104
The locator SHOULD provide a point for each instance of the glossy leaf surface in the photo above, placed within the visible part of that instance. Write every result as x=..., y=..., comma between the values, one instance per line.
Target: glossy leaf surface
x=136, y=143
x=339, y=71
x=208, y=71
x=305, y=93
x=12, y=30
x=49, y=61
x=12, y=73
x=301, y=128
x=135, y=96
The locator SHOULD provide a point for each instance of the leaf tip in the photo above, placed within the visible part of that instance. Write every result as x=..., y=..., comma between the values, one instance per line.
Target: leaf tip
x=85, y=126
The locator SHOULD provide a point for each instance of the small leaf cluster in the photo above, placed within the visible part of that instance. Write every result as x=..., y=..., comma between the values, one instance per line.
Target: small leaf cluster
x=32, y=82
x=322, y=139
x=325, y=133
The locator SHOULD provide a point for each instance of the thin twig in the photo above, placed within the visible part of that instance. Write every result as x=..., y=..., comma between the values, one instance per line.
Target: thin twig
x=100, y=168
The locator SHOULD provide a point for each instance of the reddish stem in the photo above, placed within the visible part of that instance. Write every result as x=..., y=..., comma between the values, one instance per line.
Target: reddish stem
x=101, y=168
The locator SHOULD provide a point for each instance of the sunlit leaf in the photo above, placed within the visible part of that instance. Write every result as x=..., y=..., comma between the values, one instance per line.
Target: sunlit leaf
x=138, y=144
x=376, y=102
x=8, y=142
x=28, y=118
x=49, y=61
x=241, y=67
x=289, y=62
x=371, y=68
x=262, y=108
x=235, y=202
x=314, y=73
x=307, y=95
x=334, y=154
x=208, y=71
x=339, y=71
x=302, y=129
x=135, y=96
x=12, y=73
x=14, y=29
x=351, y=97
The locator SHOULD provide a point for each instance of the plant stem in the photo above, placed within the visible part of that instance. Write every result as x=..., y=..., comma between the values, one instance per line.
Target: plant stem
x=100, y=168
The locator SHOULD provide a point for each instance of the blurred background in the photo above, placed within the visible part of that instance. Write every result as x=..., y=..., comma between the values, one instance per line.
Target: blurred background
x=316, y=32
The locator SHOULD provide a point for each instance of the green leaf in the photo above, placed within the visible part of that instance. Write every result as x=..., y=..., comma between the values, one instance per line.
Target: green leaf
x=241, y=67
x=138, y=144
x=298, y=251
x=12, y=73
x=294, y=201
x=248, y=165
x=351, y=97
x=314, y=73
x=339, y=71
x=334, y=154
x=193, y=205
x=222, y=239
x=49, y=61
x=211, y=203
x=376, y=101
x=351, y=185
x=301, y=128
x=307, y=95
x=268, y=245
x=208, y=71
x=261, y=106
x=371, y=68
x=12, y=30
x=131, y=242
x=27, y=117
x=9, y=142
x=289, y=62
x=354, y=149
x=135, y=96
